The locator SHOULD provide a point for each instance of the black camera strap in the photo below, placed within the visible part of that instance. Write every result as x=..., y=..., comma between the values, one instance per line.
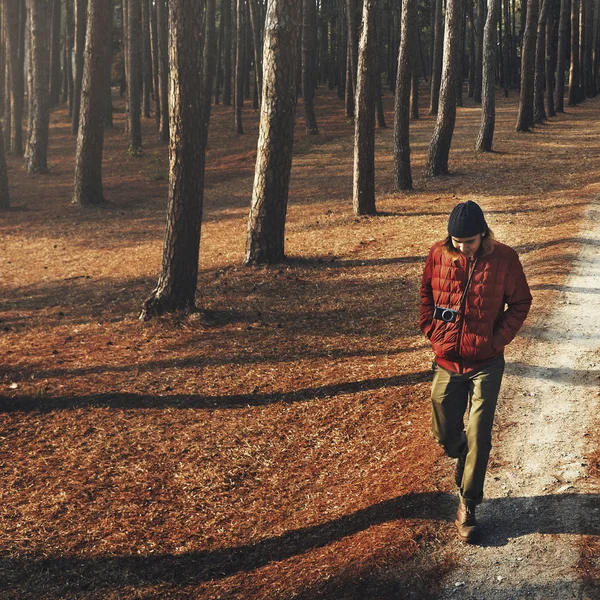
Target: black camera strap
x=464, y=294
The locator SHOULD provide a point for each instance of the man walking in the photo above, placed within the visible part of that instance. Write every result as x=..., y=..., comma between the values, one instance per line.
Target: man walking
x=474, y=299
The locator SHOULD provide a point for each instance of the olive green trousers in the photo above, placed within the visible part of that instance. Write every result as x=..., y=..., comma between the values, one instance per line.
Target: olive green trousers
x=452, y=394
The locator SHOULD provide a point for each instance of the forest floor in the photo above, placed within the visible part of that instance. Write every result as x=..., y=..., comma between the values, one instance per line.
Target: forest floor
x=278, y=446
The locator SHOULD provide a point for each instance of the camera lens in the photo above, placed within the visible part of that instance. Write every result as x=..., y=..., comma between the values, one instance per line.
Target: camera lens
x=448, y=315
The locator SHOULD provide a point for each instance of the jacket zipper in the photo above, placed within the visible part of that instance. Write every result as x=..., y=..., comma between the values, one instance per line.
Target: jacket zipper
x=462, y=310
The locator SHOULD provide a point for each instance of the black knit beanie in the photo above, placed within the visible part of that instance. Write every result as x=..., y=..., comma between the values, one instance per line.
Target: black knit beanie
x=466, y=220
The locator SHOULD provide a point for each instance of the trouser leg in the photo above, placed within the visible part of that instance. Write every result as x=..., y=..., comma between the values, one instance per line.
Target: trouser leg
x=449, y=395
x=485, y=387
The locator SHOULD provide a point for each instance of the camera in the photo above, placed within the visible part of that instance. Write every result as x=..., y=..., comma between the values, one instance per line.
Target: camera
x=445, y=314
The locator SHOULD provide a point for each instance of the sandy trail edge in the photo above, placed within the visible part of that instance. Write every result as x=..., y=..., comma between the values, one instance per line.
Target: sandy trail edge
x=540, y=501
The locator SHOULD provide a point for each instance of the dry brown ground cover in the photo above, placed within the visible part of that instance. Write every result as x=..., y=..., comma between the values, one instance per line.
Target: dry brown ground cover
x=279, y=446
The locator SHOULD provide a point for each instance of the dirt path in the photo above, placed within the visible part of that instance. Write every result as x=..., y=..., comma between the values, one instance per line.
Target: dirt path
x=539, y=499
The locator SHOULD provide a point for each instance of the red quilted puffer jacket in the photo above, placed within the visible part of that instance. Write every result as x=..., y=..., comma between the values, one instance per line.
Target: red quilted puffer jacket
x=496, y=304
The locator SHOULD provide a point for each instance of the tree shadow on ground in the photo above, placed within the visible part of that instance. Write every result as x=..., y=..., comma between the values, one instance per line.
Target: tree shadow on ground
x=569, y=289
x=505, y=518
x=126, y=401
x=533, y=246
x=501, y=519
x=574, y=377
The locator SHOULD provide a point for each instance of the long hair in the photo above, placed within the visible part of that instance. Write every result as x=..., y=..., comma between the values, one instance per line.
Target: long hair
x=487, y=244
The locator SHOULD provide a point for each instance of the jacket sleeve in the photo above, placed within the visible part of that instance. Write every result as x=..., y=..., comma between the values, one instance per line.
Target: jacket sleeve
x=427, y=304
x=518, y=298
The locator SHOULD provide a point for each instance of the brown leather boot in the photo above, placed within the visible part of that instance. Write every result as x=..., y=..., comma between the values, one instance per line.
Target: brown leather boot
x=466, y=524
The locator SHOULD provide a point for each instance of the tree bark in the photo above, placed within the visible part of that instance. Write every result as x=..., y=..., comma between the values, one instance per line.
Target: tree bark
x=256, y=22
x=574, y=74
x=4, y=189
x=404, y=79
x=561, y=57
x=439, y=148
x=154, y=51
x=80, y=7
x=55, y=53
x=227, y=49
x=525, y=119
x=480, y=20
x=539, y=110
x=163, y=68
x=208, y=65
x=266, y=224
x=108, y=103
x=69, y=39
x=363, y=189
x=472, y=52
x=438, y=52
x=488, y=86
x=36, y=159
x=550, y=63
x=146, y=59
x=309, y=64
x=240, y=66
x=352, y=41
x=13, y=16
x=506, y=47
x=134, y=72
x=90, y=136
x=176, y=287
x=588, y=72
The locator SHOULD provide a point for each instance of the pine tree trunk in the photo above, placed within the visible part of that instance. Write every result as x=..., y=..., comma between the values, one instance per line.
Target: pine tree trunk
x=574, y=75
x=227, y=50
x=4, y=189
x=134, y=74
x=438, y=53
x=439, y=148
x=90, y=136
x=588, y=72
x=256, y=22
x=4, y=67
x=488, y=84
x=108, y=103
x=363, y=189
x=596, y=61
x=36, y=158
x=525, y=118
x=350, y=86
x=472, y=51
x=460, y=63
x=146, y=59
x=70, y=38
x=480, y=20
x=208, y=66
x=13, y=16
x=352, y=41
x=163, y=68
x=240, y=67
x=414, y=97
x=176, y=287
x=561, y=56
x=550, y=63
x=404, y=79
x=55, y=53
x=154, y=51
x=506, y=47
x=539, y=110
x=266, y=225
x=309, y=46
x=80, y=26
